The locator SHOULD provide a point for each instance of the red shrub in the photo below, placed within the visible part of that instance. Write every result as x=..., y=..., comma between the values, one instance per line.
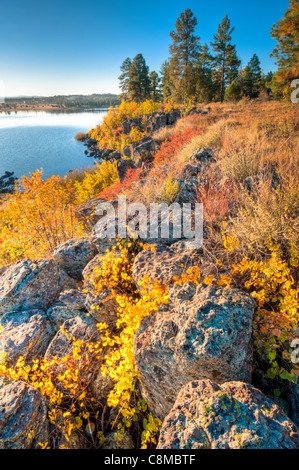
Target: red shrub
x=115, y=189
x=174, y=144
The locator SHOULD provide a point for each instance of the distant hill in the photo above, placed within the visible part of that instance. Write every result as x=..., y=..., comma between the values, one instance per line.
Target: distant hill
x=104, y=100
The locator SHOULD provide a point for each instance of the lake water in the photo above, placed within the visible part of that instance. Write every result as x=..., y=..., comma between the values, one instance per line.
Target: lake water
x=31, y=140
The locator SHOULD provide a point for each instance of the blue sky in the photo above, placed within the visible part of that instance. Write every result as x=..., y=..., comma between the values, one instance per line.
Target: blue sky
x=72, y=46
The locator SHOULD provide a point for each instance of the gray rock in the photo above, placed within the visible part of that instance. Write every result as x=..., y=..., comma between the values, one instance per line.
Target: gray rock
x=122, y=168
x=29, y=285
x=232, y=416
x=116, y=441
x=204, y=333
x=82, y=327
x=203, y=155
x=187, y=192
x=58, y=314
x=26, y=334
x=74, y=255
x=73, y=298
x=164, y=263
x=23, y=417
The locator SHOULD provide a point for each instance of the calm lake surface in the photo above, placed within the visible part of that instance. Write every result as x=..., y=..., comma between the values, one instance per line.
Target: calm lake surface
x=31, y=140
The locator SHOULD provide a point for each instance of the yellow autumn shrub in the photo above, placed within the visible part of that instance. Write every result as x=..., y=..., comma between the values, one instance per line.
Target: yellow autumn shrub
x=39, y=216
x=96, y=181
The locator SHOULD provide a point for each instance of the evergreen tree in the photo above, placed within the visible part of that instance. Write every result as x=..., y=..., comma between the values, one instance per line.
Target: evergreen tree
x=183, y=53
x=286, y=33
x=166, y=82
x=233, y=93
x=139, y=82
x=252, y=78
x=203, y=76
x=226, y=61
x=124, y=77
x=155, y=81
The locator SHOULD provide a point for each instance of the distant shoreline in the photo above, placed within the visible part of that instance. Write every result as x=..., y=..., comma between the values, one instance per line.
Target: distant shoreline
x=48, y=107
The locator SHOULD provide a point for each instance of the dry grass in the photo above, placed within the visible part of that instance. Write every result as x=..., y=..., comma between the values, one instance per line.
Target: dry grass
x=257, y=140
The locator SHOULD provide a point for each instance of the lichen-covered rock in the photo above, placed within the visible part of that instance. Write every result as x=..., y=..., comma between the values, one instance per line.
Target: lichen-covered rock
x=204, y=333
x=234, y=415
x=82, y=327
x=26, y=334
x=74, y=255
x=101, y=305
x=23, y=416
x=203, y=155
x=58, y=314
x=73, y=298
x=29, y=285
x=164, y=263
x=118, y=441
x=187, y=190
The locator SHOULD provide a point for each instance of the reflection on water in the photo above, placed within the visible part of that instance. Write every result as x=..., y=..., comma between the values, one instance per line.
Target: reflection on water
x=30, y=140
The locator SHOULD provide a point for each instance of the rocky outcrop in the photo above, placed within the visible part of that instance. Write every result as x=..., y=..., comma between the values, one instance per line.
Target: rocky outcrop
x=151, y=122
x=26, y=334
x=7, y=182
x=23, y=416
x=29, y=285
x=204, y=333
x=74, y=255
x=234, y=415
x=122, y=168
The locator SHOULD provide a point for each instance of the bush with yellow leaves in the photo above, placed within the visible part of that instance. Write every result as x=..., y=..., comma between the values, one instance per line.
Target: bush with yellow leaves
x=39, y=216
x=110, y=134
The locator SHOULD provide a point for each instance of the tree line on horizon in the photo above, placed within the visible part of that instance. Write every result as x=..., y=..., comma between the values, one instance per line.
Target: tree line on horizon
x=203, y=73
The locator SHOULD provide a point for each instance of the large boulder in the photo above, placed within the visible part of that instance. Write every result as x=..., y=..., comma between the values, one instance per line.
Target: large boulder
x=204, y=333
x=23, y=416
x=26, y=334
x=164, y=263
x=234, y=415
x=29, y=285
x=74, y=255
x=86, y=212
x=82, y=327
x=102, y=305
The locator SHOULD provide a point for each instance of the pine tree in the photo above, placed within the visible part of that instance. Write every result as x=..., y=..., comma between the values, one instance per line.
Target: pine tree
x=155, y=81
x=124, y=77
x=167, y=85
x=252, y=78
x=203, y=75
x=286, y=33
x=139, y=81
x=183, y=53
x=226, y=61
